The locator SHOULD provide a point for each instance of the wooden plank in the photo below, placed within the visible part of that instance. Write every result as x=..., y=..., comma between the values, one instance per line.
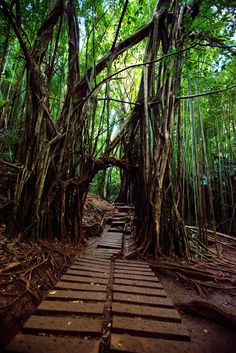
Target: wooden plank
x=118, y=222
x=84, y=279
x=93, y=262
x=138, y=283
x=88, y=273
x=150, y=328
x=105, y=251
x=108, y=246
x=44, y=344
x=163, y=314
x=132, y=263
x=75, y=295
x=135, y=272
x=115, y=230
x=96, y=268
x=139, y=290
x=133, y=268
x=63, y=325
x=109, y=240
x=162, y=302
x=81, y=286
x=72, y=307
x=135, y=344
x=100, y=254
x=134, y=277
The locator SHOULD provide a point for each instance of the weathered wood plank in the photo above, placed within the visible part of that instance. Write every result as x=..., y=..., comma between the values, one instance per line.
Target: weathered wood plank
x=135, y=344
x=139, y=290
x=44, y=344
x=76, y=279
x=81, y=286
x=88, y=273
x=163, y=302
x=163, y=314
x=63, y=324
x=138, y=283
x=135, y=277
x=150, y=328
x=86, y=267
x=76, y=295
x=136, y=271
x=72, y=307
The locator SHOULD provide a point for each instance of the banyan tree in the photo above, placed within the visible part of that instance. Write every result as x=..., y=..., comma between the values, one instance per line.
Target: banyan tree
x=60, y=154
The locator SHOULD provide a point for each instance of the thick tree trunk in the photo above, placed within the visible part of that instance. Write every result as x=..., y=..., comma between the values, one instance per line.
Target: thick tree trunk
x=156, y=125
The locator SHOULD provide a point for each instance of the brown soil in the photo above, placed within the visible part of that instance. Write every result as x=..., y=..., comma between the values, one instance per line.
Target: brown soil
x=207, y=336
x=209, y=332
x=27, y=272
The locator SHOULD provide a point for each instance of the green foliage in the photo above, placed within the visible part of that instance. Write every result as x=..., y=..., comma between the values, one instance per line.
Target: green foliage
x=210, y=66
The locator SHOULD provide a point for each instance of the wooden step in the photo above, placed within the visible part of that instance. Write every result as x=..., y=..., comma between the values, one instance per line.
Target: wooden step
x=150, y=328
x=162, y=314
x=76, y=295
x=49, y=344
x=72, y=307
x=162, y=301
x=135, y=344
x=62, y=325
x=81, y=286
x=139, y=290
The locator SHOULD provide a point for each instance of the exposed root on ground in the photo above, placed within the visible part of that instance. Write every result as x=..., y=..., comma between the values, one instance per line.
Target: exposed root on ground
x=208, y=311
x=30, y=268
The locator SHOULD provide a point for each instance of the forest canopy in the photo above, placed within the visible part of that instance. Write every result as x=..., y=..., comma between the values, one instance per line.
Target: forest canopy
x=134, y=100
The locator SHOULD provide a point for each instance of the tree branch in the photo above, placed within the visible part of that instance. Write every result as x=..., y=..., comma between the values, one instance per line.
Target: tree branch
x=8, y=13
x=119, y=24
x=206, y=93
x=113, y=54
x=118, y=100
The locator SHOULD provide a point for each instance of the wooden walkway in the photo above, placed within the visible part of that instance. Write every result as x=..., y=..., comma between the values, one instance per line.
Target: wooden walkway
x=106, y=303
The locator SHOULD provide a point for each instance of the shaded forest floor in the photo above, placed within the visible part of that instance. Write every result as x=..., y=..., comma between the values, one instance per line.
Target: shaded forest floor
x=211, y=331
x=29, y=270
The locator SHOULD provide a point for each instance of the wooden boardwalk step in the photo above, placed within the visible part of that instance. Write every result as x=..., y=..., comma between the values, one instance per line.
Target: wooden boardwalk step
x=160, y=301
x=88, y=273
x=77, y=279
x=132, y=268
x=129, y=309
x=150, y=328
x=49, y=344
x=76, y=295
x=72, y=307
x=112, y=245
x=132, y=263
x=92, y=262
x=135, y=277
x=139, y=290
x=135, y=344
x=74, y=315
x=94, y=268
x=81, y=286
x=62, y=325
x=140, y=272
x=138, y=283
x=115, y=230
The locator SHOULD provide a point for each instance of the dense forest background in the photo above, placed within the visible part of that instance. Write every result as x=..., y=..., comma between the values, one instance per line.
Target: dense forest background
x=134, y=100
